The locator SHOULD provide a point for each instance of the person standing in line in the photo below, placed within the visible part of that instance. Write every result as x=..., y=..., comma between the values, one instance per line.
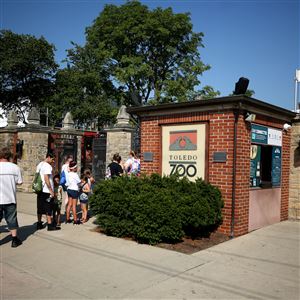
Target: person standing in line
x=115, y=168
x=65, y=169
x=132, y=165
x=45, y=199
x=57, y=201
x=91, y=182
x=129, y=161
x=85, y=191
x=10, y=176
x=90, y=177
x=73, y=181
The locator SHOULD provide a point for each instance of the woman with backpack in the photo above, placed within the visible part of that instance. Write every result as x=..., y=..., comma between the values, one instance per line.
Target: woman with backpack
x=132, y=165
x=63, y=178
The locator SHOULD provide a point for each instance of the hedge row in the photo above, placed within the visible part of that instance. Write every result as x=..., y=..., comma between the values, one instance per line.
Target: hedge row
x=153, y=209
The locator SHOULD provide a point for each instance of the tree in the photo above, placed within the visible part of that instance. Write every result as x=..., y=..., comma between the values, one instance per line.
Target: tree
x=248, y=93
x=85, y=90
x=27, y=67
x=83, y=95
x=147, y=54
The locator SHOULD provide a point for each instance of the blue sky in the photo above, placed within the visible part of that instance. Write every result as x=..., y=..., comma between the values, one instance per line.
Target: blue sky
x=259, y=39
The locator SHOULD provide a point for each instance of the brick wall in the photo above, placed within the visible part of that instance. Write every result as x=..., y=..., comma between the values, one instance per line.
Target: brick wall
x=220, y=139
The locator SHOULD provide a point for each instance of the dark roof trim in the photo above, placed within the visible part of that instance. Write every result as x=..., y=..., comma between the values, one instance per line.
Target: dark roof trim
x=216, y=104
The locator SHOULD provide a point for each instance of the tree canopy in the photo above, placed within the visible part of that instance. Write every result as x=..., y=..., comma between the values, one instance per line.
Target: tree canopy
x=132, y=56
x=27, y=67
x=144, y=54
x=83, y=94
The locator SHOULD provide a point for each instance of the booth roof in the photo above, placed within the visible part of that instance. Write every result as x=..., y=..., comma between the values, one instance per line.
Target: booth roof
x=238, y=102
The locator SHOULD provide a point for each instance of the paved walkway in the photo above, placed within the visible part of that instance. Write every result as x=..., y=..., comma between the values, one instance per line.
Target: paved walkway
x=77, y=263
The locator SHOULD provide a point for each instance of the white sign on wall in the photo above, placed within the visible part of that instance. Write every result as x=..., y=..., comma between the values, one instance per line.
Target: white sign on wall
x=183, y=150
x=274, y=137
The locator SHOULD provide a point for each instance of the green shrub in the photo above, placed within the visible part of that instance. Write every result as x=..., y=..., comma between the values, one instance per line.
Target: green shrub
x=153, y=209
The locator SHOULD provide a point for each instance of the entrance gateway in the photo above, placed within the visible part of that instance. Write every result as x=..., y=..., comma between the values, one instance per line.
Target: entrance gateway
x=247, y=158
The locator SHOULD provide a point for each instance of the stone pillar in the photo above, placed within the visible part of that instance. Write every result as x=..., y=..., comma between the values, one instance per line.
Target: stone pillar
x=35, y=146
x=120, y=137
x=294, y=191
x=68, y=128
x=12, y=119
x=68, y=123
x=9, y=133
x=33, y=117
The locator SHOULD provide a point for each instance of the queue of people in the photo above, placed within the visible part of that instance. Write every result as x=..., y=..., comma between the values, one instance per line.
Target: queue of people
x=117, y=167
x=61, y=190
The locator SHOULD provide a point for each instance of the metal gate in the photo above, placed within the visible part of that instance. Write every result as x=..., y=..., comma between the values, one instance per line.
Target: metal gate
x=137, y=138
x=62, y=145
x=99, y=156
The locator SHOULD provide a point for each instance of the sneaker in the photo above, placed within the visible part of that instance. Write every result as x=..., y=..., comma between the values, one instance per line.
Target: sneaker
x=51, y=228
x=16, y=242
x=39, y=225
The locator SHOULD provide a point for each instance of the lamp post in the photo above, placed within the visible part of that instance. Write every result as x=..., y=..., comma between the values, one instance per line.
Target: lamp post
x=297, y=80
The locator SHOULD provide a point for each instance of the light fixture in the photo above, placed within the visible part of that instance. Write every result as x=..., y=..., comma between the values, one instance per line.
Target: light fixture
x=286, y=126
x=249, y=117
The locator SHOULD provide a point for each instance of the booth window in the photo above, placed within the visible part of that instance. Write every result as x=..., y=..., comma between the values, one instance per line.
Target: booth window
x=265, y=166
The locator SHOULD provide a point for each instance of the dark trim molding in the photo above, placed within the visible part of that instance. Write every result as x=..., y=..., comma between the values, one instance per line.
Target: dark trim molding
x=243, y=103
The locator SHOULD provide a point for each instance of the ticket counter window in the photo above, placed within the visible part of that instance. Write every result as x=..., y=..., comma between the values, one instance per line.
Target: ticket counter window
x=265, y=169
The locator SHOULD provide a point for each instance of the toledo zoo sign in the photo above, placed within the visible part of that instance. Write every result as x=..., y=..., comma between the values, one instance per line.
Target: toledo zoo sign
x=183, y=150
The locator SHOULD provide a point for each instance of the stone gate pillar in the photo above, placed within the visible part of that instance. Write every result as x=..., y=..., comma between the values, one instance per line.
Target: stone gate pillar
x=294, y=192
x=34, y=138
x=68, y=128
x=9, y=133
x=120, y=137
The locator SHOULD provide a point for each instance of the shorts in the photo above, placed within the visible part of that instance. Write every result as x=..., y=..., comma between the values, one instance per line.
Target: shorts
x=74, y=194
x=83, y=198
x=43, y=206
x=9, y=211
x=56, y=206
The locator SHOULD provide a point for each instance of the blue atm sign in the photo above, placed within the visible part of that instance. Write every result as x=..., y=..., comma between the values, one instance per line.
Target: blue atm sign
x=265, y=135
x=259, y=134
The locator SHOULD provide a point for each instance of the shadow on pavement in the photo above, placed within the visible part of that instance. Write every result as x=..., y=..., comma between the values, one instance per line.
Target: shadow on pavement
x=23, y=233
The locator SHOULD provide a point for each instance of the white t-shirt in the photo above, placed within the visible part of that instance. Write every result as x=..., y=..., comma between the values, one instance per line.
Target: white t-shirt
x=128, y=164
x=72, y=181
x=10, y=176
x=45, y=169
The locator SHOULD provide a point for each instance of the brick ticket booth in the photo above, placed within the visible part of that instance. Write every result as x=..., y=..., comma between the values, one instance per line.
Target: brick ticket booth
x=236, y=143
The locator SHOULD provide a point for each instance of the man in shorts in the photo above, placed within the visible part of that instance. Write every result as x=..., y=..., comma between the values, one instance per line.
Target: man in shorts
x=45, y=199
x=10, y=176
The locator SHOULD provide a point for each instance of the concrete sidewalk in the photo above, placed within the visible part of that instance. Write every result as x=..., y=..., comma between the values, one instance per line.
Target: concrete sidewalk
x=77, y=263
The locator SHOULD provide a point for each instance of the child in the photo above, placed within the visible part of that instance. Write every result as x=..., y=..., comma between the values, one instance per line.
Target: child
x=57, y=200
x=90, y=177
x=85, y=190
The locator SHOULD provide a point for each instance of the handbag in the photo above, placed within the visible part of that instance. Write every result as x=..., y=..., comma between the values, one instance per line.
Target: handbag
x=37, y=184
x=83, y=197
x=63, y=179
